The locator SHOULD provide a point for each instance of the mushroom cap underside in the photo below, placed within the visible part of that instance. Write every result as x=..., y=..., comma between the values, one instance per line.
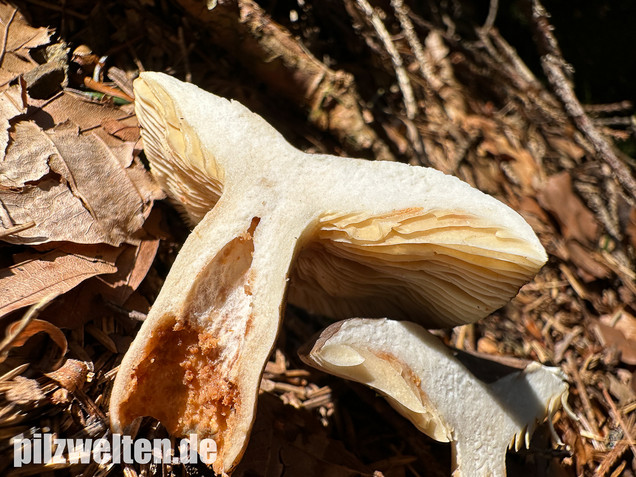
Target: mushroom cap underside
x=381, y=239
x=439, y=268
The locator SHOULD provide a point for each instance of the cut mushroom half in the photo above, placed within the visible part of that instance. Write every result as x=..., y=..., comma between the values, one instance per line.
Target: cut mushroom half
x=354, y=237
x=427, y=384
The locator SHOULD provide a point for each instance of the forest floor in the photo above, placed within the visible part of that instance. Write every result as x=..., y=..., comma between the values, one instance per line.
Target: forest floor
x=433, y=84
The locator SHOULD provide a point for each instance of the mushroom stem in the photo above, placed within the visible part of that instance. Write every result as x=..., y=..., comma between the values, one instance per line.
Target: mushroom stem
x=196, y=363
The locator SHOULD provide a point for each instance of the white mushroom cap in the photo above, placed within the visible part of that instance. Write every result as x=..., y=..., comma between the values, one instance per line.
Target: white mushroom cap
x=381, y=239
x=424, y=382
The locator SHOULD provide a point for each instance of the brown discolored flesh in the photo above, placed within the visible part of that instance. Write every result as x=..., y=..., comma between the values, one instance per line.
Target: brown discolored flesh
x=177, y=384
x=187, y=378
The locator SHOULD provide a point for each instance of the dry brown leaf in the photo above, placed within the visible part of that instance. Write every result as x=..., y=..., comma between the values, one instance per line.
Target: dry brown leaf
x=612, y=336
x=12, y=103
x=626, y=323
x=38, y=326
x=87, y=114
x=20, y=38
x=93, y=296
x=132, y=266
x=37, y=275
x=82, y=303
x=589, y=268
x=73, y=187
x=518, y=161
x=566, y=146
x=575, y=218
x=126, y=129
x=534, y=215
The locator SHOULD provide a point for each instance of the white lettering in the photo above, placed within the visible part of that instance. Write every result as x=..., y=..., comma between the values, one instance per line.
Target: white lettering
x=207, y=451
x=44, y=448
x=101, y=451
x=142, y=452
x=22, y=451
x=79, y=450
x=60, y=447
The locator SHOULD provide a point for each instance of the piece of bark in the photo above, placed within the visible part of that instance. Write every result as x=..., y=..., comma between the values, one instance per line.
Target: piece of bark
x=276, y=58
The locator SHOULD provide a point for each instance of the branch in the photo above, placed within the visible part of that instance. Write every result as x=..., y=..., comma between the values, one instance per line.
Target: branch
x=553, y=65
x=275, y=57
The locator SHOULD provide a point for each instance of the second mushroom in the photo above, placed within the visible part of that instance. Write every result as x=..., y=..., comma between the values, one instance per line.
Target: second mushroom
x=350, y=237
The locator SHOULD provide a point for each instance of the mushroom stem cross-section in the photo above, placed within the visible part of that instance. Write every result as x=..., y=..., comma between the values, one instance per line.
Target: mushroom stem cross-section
x=352, y=238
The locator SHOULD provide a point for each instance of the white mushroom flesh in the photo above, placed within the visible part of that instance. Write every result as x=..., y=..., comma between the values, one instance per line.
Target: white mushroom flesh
x=424, y=382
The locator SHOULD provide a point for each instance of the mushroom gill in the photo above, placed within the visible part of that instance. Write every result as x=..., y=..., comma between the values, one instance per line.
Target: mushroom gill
x=439, y=267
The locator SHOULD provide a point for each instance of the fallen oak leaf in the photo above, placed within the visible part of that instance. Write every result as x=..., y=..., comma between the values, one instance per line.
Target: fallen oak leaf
x=37, y=275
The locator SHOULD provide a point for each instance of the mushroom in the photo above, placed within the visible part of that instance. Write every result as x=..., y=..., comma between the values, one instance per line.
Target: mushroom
x=427, y=384
x=354, y=237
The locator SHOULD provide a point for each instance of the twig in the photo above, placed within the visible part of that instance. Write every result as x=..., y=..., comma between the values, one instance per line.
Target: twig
x=402, y=13
x=619, y=419
x=621, y=106
x=5, y=35
x=585, y=399
x=396, y=59
x=105, y=89
x=610, y=458
x=400, y=72
x=553, y=65
x=492, y=15
x=16, y=229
